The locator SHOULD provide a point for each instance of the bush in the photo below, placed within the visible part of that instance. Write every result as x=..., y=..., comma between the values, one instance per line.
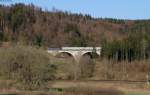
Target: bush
x=30, y=67
x=87, y=65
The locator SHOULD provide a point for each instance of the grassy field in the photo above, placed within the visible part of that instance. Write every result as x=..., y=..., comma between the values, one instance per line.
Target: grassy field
x=136, y=94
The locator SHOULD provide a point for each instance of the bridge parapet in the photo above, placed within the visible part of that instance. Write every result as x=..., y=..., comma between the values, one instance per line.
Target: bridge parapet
x=81, y=48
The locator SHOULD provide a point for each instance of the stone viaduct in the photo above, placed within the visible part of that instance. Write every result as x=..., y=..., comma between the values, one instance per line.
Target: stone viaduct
x=76, y=52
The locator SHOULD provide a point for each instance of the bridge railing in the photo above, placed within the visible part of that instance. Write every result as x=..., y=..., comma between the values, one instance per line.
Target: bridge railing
x=81, y=48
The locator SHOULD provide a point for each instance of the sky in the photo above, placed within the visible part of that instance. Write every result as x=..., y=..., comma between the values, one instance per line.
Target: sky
x=121, y=9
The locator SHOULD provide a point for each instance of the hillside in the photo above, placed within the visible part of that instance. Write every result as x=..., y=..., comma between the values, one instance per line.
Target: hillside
x=32, y=26
x=29, y=25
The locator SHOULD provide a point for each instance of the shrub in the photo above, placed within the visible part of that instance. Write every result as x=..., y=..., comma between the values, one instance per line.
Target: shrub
x=30, y=67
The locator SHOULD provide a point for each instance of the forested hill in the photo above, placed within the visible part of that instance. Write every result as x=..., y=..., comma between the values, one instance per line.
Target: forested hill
x=30, y=25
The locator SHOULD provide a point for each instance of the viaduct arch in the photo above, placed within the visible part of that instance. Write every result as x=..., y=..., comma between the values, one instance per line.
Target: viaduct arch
x=76, y=52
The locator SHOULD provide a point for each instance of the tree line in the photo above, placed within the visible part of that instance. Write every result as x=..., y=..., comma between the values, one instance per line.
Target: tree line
x=135, y=47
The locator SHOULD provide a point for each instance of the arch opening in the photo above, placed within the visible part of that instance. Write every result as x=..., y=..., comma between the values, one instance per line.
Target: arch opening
x=64, y=55
x=91, y=55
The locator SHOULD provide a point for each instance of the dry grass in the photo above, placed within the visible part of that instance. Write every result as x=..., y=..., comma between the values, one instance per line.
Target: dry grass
x=134, y=71
x=92, y=91
x=72, y=91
